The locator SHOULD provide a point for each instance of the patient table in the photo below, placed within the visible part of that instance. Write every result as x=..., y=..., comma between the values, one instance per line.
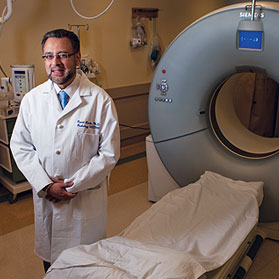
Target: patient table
x=199, y=231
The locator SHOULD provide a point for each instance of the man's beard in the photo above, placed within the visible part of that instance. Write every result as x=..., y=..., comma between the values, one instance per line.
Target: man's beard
x=64, y=80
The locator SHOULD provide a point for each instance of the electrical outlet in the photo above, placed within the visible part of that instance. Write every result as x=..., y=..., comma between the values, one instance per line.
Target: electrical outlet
x=3, y=89
x=4, y=85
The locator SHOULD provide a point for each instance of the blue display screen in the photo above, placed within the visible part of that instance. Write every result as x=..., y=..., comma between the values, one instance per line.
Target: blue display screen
x=250, y=39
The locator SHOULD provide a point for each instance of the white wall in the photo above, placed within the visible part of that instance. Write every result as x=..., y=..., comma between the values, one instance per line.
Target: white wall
x=107, y=39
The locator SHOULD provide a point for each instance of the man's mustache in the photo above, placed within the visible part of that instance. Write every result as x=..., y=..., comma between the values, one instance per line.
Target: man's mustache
x=57, y=69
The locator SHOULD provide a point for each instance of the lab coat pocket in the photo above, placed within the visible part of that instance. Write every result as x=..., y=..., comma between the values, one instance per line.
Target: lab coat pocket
x=88, y=144
x=89, y=204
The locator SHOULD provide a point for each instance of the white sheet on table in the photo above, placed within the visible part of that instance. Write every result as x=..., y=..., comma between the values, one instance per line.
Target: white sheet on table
x=188, y=232
x=120, y=258
x=208, y=219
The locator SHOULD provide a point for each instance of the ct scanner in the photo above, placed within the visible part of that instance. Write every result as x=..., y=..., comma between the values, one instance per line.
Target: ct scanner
x=193, y=124
x=194, y=129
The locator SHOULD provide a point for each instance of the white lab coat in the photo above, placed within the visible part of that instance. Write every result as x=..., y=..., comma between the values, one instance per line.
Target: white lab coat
x=80, y=144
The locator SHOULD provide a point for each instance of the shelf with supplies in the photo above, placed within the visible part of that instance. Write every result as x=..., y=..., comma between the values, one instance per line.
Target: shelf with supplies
x=10, y=176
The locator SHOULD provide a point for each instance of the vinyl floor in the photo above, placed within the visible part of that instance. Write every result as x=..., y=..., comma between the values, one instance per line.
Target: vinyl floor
x=127, y=199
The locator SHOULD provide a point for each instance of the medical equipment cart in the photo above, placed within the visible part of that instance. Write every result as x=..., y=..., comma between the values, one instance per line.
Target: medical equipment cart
x=10, y=175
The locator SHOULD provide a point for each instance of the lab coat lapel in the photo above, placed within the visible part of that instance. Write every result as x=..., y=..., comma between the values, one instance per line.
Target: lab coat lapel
x=51, y=97
x=76, y=99
x=74, y=102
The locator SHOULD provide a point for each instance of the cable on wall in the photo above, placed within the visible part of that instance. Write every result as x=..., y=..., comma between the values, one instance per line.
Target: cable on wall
x=3, y=72
x=93, y=17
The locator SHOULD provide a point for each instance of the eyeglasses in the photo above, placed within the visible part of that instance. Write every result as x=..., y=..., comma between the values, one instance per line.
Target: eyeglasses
x=60, y=56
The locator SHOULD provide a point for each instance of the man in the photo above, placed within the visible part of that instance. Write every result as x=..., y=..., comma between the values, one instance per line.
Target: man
x=66, y=154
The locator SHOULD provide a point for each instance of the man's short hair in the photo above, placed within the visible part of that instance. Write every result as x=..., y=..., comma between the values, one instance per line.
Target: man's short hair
x=62, y=33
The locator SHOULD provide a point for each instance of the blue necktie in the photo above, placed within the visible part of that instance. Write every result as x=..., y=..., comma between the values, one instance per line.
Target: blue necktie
x=63, y=98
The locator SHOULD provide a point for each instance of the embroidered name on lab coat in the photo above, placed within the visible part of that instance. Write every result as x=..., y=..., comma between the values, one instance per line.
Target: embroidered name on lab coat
x=88, y=124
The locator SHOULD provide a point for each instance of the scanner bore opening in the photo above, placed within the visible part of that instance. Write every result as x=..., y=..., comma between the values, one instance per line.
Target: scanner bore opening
x=235, y=134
